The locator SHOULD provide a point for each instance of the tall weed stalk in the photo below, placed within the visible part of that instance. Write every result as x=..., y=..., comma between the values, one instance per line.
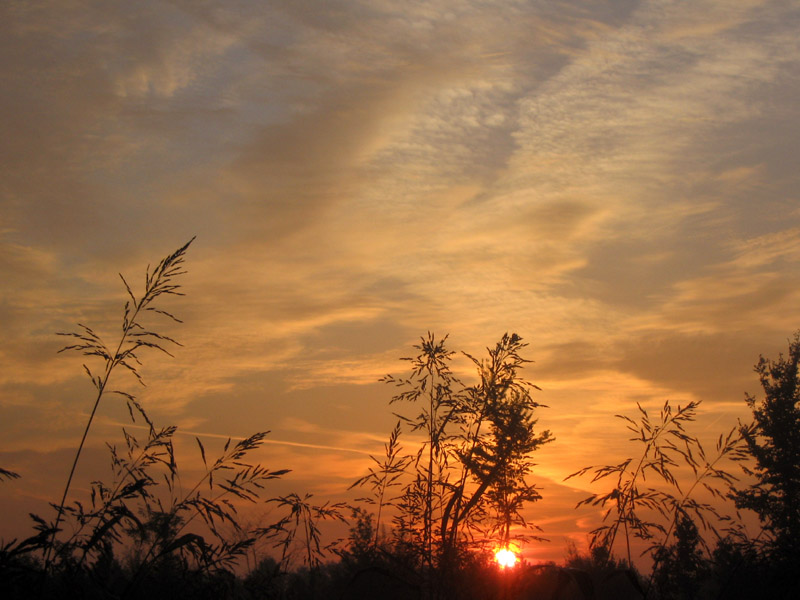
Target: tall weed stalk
x=652, y=514
x=387, y=475
x=304, y=519
x=431, y=385
x=134, y=337
x=144, y=508
x=628, y=497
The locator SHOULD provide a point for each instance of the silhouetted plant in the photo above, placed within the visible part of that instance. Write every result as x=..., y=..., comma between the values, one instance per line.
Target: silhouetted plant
x=681, y=567
x=737, y=571
x=131, y=513
x=170, y=533
x=467, y=483
x=361, y=549
x=431, y=380
x=6, y=474
x=114, y=508
x=653, y=514
x=386, y=476
x=774, y=443
x=228, y=478
x=716, y=480
x=627, y=498
x=265, y=580
x=496, y=443
x=134, y=336
x=609, y=577
x=304, y=518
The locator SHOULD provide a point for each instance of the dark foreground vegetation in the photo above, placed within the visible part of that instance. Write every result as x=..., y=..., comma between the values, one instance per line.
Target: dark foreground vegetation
x=430, y=520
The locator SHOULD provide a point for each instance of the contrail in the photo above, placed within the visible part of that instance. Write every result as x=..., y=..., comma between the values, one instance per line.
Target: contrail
x=265, y=440
x=277, y=442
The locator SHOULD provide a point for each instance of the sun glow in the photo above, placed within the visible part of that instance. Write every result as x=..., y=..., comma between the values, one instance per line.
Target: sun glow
x=505, y=558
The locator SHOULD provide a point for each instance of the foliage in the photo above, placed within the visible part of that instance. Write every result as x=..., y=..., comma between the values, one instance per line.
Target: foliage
x=362, y=548
x=305, y=518
x=646, y=512
x=467, y=484
x=680, y=567
x=143, y=509
x=499, y=439
x=656, y=514
x=6, y=474
x=736, y=571
x=430, y=380
x=774, y=443
x=608, y=577
x=387, y=475
x=463, y=490
x=134, y=337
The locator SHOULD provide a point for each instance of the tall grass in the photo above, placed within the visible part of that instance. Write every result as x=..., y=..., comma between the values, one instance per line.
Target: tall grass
x=143, y=509
x=134, y=337
x=387, y=475
x=635, y=509
x=6, y=474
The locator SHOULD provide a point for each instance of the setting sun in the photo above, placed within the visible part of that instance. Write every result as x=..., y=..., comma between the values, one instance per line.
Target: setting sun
x=505, y=558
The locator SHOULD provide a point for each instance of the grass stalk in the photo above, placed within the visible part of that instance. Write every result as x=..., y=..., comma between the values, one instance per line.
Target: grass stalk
x=134, y=336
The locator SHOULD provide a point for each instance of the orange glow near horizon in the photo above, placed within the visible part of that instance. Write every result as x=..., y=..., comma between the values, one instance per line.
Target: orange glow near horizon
x=505, y=558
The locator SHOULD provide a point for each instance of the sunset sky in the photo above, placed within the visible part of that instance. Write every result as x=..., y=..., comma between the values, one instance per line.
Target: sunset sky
x=615, y=181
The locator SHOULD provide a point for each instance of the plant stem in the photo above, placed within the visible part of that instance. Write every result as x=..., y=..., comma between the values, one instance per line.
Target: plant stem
x=110, y=364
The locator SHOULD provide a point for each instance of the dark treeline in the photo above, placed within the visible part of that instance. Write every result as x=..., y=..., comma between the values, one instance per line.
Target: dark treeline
x=429, y=520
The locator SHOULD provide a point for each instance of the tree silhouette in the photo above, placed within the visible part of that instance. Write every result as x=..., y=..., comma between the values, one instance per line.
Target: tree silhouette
x=775, y=446
x=682, y=565
x=466, y=486
x=496, y=450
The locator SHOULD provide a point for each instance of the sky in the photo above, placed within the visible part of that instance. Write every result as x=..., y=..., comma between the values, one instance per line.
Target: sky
x=614, y=181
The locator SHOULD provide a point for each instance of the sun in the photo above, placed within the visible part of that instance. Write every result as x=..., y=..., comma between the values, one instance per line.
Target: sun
x=505, y=558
